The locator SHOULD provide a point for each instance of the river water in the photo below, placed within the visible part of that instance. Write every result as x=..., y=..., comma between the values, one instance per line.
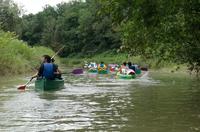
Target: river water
x=156, y=102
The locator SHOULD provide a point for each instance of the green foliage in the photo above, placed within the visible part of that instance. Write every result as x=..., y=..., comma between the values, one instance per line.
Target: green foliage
x=161, y=30
x=9, y=15
x=75, y=25
x=16, y=56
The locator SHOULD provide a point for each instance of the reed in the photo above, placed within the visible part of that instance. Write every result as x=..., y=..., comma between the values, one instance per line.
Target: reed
x=16, y=57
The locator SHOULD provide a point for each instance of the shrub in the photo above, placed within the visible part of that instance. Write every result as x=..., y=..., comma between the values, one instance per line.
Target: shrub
x=16, y=56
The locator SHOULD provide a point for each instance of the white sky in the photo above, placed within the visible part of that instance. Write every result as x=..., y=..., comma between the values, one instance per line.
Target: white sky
x=34, y=6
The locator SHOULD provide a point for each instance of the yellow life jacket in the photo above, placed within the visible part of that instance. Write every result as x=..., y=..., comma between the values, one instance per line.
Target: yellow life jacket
x=101, y=68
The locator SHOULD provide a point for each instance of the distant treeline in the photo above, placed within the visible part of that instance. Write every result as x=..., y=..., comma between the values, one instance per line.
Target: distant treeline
x=77, y=25
x=166, y=30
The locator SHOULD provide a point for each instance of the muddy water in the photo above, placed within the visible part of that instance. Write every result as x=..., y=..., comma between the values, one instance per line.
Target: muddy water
x=156, y=102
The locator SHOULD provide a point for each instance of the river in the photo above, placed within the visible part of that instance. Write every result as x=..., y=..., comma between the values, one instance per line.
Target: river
x=156, y=102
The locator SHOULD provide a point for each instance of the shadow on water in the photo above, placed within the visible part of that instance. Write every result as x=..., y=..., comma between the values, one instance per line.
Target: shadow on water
x=92, y=103
x=47, y=95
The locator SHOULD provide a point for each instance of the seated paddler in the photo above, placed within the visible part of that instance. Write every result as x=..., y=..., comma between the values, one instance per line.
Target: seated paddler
x=47, y=69
x=102, y=66
x=57, y=71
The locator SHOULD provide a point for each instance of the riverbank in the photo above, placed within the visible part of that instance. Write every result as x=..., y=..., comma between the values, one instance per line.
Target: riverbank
x=17, y=57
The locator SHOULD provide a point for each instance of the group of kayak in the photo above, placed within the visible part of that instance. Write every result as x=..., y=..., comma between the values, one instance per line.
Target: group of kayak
x=49, y=76
x=124, y=71
x=50, y=71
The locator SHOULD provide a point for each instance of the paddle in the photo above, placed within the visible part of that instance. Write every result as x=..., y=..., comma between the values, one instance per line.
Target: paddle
x=22, y=87
x=75, y=71
x=58, y=52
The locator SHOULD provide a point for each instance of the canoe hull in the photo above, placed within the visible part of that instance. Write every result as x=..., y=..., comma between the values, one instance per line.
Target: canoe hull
x=92, y=71
x=44, y=84
x=138, y=71
x=103, y=72
x=121, y=76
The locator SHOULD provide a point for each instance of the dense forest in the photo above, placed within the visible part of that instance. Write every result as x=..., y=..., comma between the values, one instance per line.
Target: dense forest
x=168, y=30
x=76, y=25
x=165, y=30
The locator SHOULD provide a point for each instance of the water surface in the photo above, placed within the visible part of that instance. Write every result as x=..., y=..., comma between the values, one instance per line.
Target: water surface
x=154, y=103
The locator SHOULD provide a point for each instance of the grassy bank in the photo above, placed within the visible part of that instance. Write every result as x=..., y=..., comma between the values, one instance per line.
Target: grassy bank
x=17, y=57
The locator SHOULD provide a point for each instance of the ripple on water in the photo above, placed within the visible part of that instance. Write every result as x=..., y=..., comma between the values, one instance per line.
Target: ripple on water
x=93, y=104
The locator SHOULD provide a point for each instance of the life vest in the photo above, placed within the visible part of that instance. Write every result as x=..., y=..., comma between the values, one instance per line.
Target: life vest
x=92, y=66
x=48, y=70
x=102, y=67
x=112, y=69
x=132, y=67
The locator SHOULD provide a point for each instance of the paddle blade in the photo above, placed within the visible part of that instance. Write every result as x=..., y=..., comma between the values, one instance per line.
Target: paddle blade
x=21, y=87
x=77, y=71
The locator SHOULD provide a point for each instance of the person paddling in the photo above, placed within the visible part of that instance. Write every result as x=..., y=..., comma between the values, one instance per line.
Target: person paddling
x=123, y=69
x=131, y=70
x=57, y=72
x=130, y=66
x=92, y=66
x=46, y=69
x=102, y=66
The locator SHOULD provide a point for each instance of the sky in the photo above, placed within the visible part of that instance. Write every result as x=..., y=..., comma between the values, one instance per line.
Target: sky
x=34, y=6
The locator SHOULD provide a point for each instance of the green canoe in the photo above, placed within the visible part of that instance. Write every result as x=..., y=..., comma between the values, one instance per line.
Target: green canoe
x=92, y=71
x=122, y=76
x=102, y=71
x=138, y=71
x=44, y=84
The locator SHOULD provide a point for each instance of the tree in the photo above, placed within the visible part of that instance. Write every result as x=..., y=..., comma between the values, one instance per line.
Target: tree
x=166, y=30
x=76, y=25
x=9, y=15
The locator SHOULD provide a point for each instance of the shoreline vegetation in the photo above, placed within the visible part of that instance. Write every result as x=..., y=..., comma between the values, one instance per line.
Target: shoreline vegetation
x=17, y=57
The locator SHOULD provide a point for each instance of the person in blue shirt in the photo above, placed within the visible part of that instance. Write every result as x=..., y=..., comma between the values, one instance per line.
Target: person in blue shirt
x=130, y=66
x=46, y=69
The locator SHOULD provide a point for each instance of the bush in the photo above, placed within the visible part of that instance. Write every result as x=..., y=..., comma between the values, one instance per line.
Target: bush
x=16, y=56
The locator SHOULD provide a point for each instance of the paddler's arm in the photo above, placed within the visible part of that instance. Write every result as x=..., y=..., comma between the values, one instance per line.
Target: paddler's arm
x=59, y=71
x=34, y=76
x=56, y=69
x=39, y=73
